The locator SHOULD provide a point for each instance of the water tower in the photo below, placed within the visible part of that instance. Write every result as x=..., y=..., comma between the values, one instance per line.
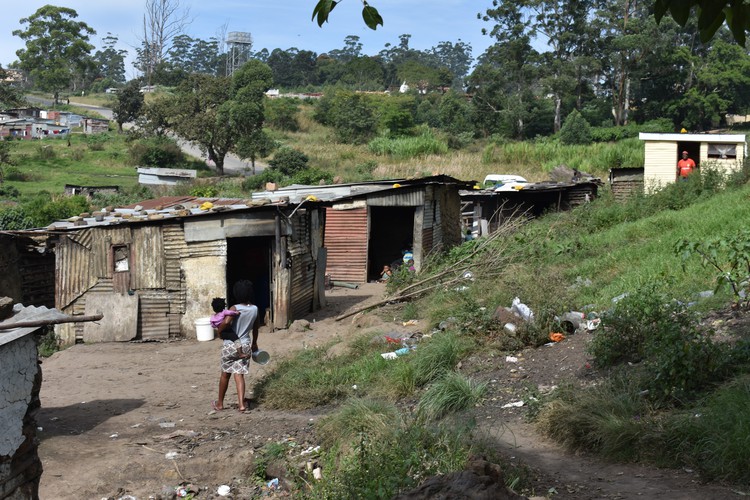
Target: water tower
x=239, y=44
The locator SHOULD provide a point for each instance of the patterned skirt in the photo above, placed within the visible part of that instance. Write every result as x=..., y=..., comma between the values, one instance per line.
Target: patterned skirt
x=230, y=357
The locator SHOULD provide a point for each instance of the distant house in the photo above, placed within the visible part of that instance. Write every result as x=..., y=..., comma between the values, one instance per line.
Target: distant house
x=662, y=151
x=89, y=191
x=95, y=125
x=165, y=176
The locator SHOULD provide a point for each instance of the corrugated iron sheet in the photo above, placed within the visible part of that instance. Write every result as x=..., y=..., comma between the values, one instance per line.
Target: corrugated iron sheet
x=72, y=272
x=303, y=267
x=402, y=197
x=147, y=271
x=174, y=248
x=346, y=237
x=153, y=315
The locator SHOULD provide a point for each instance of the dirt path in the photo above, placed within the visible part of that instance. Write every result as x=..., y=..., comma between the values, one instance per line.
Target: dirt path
x=135, y=419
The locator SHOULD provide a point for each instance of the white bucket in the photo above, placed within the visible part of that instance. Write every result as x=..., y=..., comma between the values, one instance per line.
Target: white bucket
x=203, y=329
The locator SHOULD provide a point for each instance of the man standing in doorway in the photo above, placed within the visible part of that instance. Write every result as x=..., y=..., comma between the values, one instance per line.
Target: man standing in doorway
x=685, y=166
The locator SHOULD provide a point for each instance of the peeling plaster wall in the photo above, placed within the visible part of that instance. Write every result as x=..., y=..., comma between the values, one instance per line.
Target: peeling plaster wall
x=205, y=278
x=20, y=381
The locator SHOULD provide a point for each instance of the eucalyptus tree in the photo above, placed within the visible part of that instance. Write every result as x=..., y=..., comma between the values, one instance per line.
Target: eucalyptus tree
x=57, y=48
x=110, y=61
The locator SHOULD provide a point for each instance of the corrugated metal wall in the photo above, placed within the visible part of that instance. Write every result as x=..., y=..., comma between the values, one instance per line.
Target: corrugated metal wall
x=148, y=256
x=303, y=268
x=346, y=235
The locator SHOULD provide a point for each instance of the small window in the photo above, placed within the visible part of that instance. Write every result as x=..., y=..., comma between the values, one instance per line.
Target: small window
x=121, y=259
x=722, y=151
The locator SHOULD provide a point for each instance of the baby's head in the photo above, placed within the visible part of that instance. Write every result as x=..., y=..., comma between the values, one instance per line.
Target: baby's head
x=386, y=267
x=218, y=304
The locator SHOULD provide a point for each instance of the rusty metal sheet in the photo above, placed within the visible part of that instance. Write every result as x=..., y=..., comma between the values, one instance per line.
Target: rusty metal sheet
x=346, y=237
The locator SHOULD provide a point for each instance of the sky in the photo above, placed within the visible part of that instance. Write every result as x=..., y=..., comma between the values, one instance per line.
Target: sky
x=273, y=23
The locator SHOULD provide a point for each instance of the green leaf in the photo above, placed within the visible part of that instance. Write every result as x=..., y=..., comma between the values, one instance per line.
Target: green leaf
x=322, y=10
x=680, y=11
x=660, y=8
x=371, y=17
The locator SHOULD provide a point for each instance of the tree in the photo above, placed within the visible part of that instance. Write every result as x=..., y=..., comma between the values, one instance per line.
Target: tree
x=575, y=130
x=110, y=61
x=218, y=113
x=162, y=22
x=129, y=104
x=712, y=14
x=10, y=96
x=257, y=145
x=57, y=47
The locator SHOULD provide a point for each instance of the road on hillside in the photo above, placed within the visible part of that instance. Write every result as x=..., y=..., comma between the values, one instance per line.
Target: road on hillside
x=232, y=164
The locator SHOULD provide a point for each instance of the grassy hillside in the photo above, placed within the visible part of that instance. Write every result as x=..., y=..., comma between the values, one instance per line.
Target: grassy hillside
x=658, y=365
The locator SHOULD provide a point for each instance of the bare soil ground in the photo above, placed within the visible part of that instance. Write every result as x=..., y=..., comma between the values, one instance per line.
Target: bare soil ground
x=134, y=420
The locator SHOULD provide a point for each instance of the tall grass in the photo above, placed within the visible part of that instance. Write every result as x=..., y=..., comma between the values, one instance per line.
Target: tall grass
x=408, y=147
x=452, y=393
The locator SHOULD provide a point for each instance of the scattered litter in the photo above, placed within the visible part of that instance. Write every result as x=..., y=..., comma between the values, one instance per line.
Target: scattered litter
x=447, y=323
x=318, y=473
x=113, y=436
x=135, y=426
x=556, y=337
x=411, y=322
x=402, y=351
x=511, y=359
x=571, y=321
x=522, y=309
x=40, y=429
x=617, y=299
x=514, y=404
x=273, y=483
x=181, y=492
x=468, y=275
x=311, y=449
x=389, y=355
x=354, y=387
x=166, y=425
x=593, y=324
x=510, y=327
x=127, y=497
x=223, y=490
x=171, y=455
x=705, y=294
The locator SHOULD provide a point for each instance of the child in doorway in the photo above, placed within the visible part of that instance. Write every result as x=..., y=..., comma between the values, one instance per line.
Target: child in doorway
x=219, y=306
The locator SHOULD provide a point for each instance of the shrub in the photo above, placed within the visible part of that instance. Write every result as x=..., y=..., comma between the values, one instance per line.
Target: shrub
x=258, y=182
x=575, y=129
x=156, y=152
x=97, y=142
x=312, y=176
x=282, y=114
x=204, y=191
x=288, y=161
x=46, y=152
x=12, y=173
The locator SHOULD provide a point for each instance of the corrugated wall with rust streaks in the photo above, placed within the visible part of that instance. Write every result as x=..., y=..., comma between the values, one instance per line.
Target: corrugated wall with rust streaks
x=153, y=315
x=73, y=273
x=174, y=249
x=346, y=236
x=148, y=255
x=303, y=269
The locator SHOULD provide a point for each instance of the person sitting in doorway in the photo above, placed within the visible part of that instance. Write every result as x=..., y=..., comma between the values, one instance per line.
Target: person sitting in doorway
x=385, y=274
x=685, y=166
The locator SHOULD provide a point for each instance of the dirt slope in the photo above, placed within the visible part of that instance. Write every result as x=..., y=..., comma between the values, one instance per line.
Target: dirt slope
x=135, y=419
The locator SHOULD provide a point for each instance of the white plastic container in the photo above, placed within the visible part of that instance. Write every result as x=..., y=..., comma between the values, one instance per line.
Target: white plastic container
x=203, y=329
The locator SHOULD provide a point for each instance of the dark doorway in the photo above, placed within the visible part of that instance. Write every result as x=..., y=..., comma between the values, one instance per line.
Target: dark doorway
x=693, y=149
x=391, y=233
x=250, y=259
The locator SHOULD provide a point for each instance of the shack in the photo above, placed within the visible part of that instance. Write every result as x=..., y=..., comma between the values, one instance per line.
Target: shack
x=94, y=125
x=370, y=224
x=20, y=383
x=662, y=151
x=165, y=176
x=152, y=269
x=483, y=211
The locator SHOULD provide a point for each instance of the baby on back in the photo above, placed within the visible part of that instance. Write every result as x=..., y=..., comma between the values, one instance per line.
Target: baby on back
x=220, y=313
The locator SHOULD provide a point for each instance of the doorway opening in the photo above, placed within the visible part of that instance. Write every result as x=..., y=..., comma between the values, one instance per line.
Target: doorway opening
x=250, y=259
x=391, y=234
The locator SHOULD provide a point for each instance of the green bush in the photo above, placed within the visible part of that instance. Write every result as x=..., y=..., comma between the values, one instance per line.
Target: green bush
x=46, y=152
x=575, y=129
x=12, y=173
x=312, y=176
x=282, y=114
x=97, y=142
x=678, y=358
x=156, y=152
x=288, y=161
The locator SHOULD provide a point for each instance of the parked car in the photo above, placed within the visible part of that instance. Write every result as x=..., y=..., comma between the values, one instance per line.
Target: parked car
x=504, y=182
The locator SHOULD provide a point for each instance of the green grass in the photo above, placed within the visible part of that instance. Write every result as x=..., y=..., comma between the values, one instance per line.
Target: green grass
x=452, y=393
x=49, y=164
